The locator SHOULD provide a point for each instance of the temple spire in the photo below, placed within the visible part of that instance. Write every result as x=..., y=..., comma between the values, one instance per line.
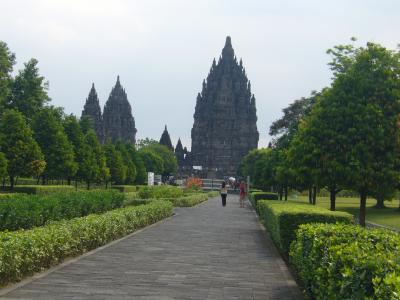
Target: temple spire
x=227, y=51
x=166, y=140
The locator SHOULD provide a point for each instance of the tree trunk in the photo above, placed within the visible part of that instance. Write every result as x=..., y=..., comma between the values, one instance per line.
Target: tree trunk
x=286, y=192
x=333, y=199
x=280, y=194
x=314, y=196
x=363, y=201
x=88, y=185
x=380, y=202
x=43, y=180
x=12, y=182
x=310, y=195
x=38, y=180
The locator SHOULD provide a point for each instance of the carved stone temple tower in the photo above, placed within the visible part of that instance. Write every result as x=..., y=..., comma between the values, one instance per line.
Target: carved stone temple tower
x=225, y=119
x=93, y=111
x=118, y=121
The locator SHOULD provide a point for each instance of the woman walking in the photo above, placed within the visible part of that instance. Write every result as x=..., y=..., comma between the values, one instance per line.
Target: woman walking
x=224, y=193
x=242, y=193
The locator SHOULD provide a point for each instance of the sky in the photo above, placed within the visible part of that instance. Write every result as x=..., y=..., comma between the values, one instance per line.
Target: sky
x=163, y=50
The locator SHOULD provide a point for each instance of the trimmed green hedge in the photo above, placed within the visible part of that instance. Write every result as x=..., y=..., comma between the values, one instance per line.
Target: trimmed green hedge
x=43, y=189
x=162, y=191
x=213, y=194
x=21, y=211
x=347, y=262
x=189, y=201
x=256, y=196
x=23, y=252
x=125, y=188
x=282, y=219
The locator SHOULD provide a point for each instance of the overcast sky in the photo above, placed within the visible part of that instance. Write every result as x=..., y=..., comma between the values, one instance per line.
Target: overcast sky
x=162, y=50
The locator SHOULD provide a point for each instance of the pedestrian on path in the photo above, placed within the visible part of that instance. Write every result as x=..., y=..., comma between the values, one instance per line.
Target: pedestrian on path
x=224, y=192
x=242, y=193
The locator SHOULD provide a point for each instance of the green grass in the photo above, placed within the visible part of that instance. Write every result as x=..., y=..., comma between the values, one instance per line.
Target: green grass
x=389, y=216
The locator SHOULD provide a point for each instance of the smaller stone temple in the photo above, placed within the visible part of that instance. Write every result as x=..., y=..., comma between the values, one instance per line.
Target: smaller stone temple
x=166, y=139
x=116, y=123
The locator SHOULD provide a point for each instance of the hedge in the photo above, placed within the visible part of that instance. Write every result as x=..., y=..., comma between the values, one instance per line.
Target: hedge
x=21, y=211
x=255, y=196
x=163, y=191
x=24, y=252
x=282, y=219
x=125, y=188
x=43, y=189
x=347, y=262
x=189, y=201
x=212, y=194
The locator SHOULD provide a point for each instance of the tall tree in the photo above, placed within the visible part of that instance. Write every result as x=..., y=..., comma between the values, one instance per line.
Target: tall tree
x=153, y=162
x=96, y=170
x=22, y=152
x=128, y=162
x=115, y=163
x=3, y=166
x=170, y=164
x=29, y=90
x=58, y=151
x=7, y=61
x=141, y=173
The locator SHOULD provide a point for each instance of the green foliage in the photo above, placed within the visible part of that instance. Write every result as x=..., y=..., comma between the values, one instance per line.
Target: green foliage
x=26, y=211
x=23, y=253
x=115, y=163
x=17, y=143
x=168, y=157
x=141, y=174
x=58, y=151
x=188, y=201
x=29, y=91
x=43, y=189
x=152, y=161
x=7, y=61
x=282, y=219
x=95, y=168
x=125, y=188
x=163, y=191
x=347, y=262
x=212, y=194
x=255, y=196
x=3, y=165
x=129, y=164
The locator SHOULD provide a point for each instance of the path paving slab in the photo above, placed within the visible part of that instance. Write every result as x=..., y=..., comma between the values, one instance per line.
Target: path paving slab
x=204, y=252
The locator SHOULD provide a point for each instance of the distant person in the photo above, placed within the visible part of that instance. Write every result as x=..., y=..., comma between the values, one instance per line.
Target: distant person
x=224, y=193
x=242, y=189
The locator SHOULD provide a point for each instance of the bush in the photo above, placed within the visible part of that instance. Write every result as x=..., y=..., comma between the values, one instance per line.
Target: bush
x=25, y=252
x=189, y=201
x=282, y=219
x=125, y=188
x=43, y=189
x=26, y=211
x=212, y=194
x=347, y=262
x=255, y=196
x=163, y=191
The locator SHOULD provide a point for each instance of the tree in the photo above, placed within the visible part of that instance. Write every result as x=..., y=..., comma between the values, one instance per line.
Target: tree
x=7, y=61
x=360, y=117
x=98, y=170
x=3, y=166
x=58, y=151
x=128, y=162
x=145, y=142
x=170, y=164
x=22, y=152
x=29, y=90
x=152, y=161
x=115, y=163
x=141, y=173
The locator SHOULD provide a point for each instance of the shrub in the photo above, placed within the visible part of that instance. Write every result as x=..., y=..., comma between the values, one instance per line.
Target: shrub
x=26, y=211
x=25, y=252
x=347, y=262
x=194, y=182
x=282, y=219
x=188, y=201
x=255, y=196
x=125, y=188
x=212, y=194
x=163, y=191
x=43, y=189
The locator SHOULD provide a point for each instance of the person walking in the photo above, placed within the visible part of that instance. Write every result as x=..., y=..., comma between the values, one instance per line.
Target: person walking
x=224, y=192
x=242, y=193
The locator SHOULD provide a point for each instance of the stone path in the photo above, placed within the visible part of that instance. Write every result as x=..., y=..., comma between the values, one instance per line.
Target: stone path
x=204, y=252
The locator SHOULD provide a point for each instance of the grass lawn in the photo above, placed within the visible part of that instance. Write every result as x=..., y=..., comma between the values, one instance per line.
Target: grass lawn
x=389, y=216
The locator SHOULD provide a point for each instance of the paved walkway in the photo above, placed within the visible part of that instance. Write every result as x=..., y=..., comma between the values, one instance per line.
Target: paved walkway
x=204, y=252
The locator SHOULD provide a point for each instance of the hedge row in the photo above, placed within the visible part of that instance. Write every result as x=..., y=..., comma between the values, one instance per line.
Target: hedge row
x=185, y=201
x=125, y=188
x=282, y=219
x=21, y=211
x=258, y=195
x=43, y=189
x=347, y=262
x=212, y=194
x=24, y=252
x=163, y=191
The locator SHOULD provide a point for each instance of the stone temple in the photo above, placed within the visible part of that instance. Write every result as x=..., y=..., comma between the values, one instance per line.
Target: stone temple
x=116, y=123
x=225, y=118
